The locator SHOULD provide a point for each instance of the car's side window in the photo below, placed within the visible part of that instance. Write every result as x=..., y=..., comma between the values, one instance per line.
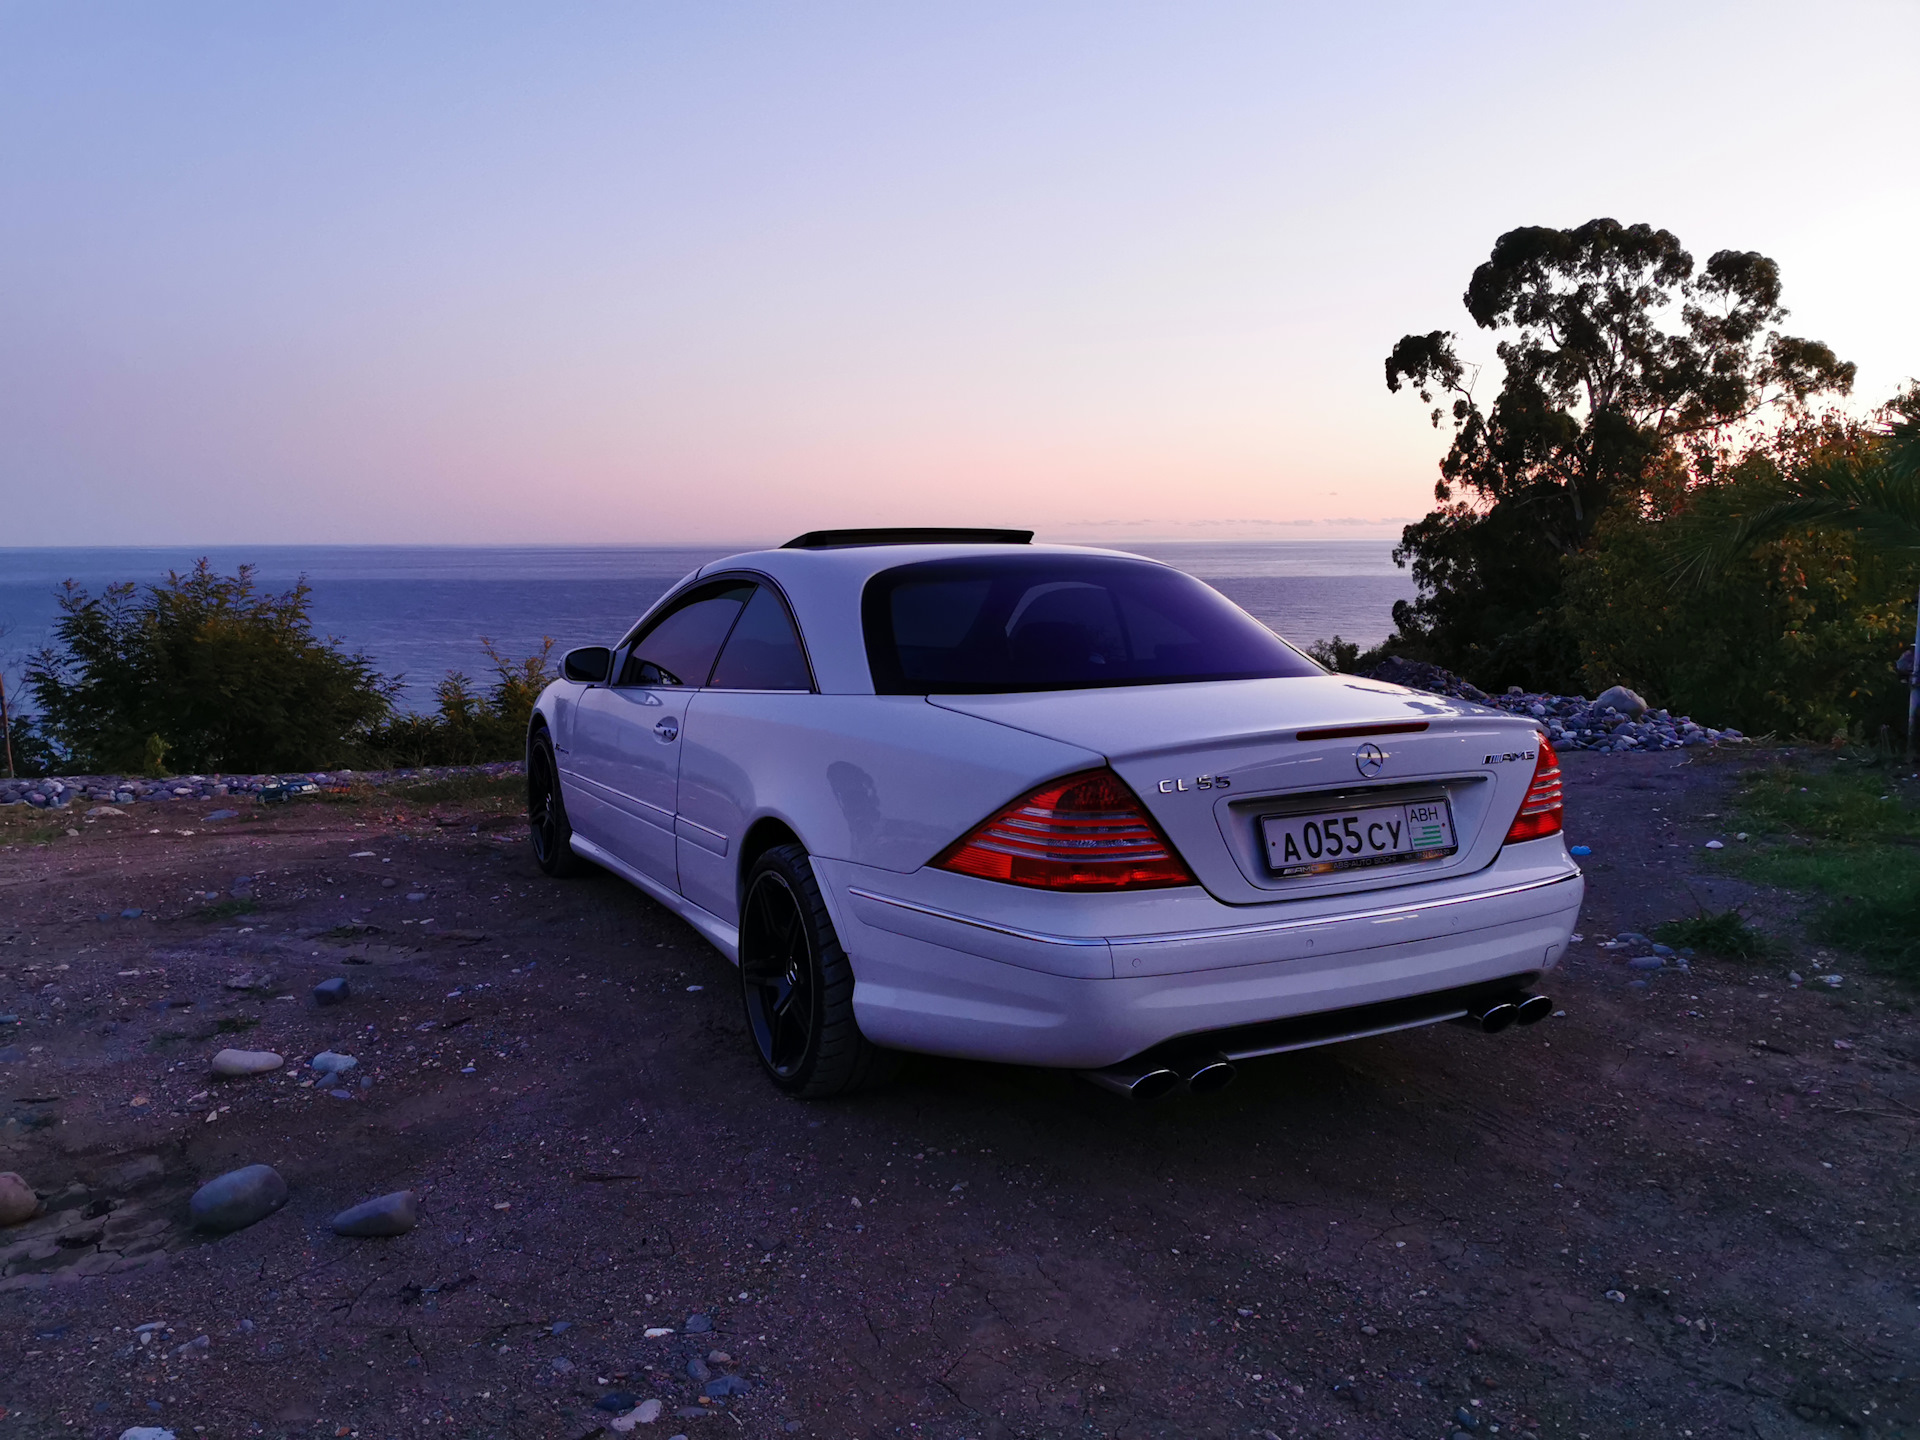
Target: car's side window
x=679, y=647
x=763, y=652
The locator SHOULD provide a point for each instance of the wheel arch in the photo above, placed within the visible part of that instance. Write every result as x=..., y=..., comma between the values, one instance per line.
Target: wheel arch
x=765, y=833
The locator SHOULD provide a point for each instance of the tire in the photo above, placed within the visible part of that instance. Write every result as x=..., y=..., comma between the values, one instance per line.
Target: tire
x=547, y=825
x=796, y=984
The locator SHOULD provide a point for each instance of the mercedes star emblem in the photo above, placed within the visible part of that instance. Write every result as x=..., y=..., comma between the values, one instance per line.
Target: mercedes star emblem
x=1370, y=760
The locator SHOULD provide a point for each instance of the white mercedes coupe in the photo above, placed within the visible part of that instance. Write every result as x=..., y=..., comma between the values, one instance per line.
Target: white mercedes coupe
x=953, y=792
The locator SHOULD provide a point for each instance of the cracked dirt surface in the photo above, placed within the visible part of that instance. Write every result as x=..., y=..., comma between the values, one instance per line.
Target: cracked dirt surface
x=1355, y=1241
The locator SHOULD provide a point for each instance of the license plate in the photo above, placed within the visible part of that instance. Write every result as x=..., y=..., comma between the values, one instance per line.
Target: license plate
x=1317, y=844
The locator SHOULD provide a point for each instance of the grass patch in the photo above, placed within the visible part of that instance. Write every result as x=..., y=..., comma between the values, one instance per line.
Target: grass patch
x=228, y=909
x=1848, y=834
x=464, y=790
x=233, y=1025
x=1725, y=933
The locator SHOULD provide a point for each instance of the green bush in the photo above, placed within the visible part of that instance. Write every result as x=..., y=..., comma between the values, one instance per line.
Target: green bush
x=469, y=726
x=201, y=672
x=1797, y=638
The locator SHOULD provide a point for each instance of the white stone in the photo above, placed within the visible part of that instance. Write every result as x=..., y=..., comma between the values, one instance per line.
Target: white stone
x=246, y=1062
x=18, y=1203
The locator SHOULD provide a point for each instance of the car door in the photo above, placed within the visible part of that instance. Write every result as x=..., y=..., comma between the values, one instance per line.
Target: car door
x=627, y=734
x=744, y=725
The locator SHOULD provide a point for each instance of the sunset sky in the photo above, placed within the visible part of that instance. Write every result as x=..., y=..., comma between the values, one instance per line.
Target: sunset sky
x=649, y=273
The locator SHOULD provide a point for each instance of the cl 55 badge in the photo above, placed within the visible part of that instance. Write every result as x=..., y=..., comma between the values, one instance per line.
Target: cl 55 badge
x=1200, y=782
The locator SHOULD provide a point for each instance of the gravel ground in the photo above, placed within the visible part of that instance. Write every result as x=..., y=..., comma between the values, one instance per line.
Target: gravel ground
x=1682, y=1209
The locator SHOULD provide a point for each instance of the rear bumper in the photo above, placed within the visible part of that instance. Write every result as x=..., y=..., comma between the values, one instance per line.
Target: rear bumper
x=933, y=974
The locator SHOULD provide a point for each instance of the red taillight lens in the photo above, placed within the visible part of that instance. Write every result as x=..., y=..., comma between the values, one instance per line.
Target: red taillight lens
x=1086, y=832
x=1541, y=812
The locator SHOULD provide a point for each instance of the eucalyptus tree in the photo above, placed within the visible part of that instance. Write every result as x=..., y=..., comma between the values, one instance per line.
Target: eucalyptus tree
x=1623, y=368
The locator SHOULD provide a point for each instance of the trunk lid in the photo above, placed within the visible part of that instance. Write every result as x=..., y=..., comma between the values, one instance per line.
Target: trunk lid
x=1221, y=765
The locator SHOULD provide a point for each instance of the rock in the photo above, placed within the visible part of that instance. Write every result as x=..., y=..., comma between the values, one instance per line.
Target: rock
x=246, y=1062
x=1618, y=697
x=388, y=883
x=1646, y=962
x=132, y=912
x=224, y=815
x=417, y=896
x=697, y=1370
x=1466, y=1419
x=332, y=992
x=698, y=1324
x=560, y=1365
x=238, y=1199
x=329, y=1063
x=393, y=1214
x=147, y=1432
x=18, y=1203
x=617, y=1402
x=726, y=1385
x=1715, y=845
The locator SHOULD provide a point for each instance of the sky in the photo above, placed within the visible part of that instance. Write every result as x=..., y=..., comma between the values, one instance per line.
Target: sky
x=650, y=273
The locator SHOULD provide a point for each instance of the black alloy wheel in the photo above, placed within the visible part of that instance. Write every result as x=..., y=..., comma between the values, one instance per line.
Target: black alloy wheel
x=547, y=825
x=797, y=985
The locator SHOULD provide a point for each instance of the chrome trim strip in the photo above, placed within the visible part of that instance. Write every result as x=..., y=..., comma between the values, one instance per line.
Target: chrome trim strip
x=698, y=834
x=1264, y=927
x=1349, y=1035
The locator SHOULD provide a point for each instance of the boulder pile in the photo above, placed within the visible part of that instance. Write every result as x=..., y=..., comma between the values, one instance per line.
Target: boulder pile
x=59, y=792
x=1616, y=719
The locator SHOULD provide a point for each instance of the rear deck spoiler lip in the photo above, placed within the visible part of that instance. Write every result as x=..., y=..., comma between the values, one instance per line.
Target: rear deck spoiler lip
x=1350, y=732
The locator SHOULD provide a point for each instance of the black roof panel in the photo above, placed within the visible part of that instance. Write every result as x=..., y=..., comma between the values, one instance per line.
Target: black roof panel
x=910, y=535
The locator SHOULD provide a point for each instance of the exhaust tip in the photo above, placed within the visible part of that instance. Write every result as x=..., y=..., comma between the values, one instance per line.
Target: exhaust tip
x=1154, y=1085
x=1496, y=1018
x=1533, y=1009
x=1211, y=1075
x=1141, y=1085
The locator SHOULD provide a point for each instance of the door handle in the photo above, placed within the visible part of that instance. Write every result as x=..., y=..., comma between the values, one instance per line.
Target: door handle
x=667, y=729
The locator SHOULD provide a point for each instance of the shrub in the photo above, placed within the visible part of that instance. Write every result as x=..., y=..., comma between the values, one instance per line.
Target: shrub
x=201, y=672
x=468, y=726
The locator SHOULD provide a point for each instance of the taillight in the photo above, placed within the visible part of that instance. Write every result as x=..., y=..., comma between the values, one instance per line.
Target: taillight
x=1086, y=832
x=1541, y=812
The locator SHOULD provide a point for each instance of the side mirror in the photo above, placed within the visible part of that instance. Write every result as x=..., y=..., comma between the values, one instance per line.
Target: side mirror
x=590, y=664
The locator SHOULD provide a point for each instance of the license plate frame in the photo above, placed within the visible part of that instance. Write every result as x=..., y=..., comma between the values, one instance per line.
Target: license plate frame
x=1299, y=842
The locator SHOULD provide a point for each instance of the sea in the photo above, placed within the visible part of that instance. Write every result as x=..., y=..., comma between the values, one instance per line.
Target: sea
x=419, y=611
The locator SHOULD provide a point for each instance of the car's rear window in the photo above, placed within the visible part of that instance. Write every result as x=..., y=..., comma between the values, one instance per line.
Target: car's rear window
x=999, y=623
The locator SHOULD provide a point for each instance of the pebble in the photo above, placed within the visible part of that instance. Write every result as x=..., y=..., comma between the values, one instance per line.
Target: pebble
x=697, y=1370
x=224, y=815
x=328, y=1063
x=560, y=1365
x=616, y=1401
x=238, y=1199
x=18, y=1203
x=246, y=1062
x=131, y=913
x=698, y=1324
x=393, y=1214
x=332, y=992
x=726, y=1385
x=388, y=883
x=1646, y=962
x=655, y=1332
x=1715, y=845
x=417, y=895
x=1616, y=1297
x=147, y=1432
x=1465, y=1418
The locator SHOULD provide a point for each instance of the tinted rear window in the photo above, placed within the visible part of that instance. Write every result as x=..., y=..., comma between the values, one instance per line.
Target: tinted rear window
x=994, y=624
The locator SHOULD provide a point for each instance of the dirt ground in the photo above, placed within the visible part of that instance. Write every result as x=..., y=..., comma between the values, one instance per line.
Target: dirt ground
x=1683, y=1209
